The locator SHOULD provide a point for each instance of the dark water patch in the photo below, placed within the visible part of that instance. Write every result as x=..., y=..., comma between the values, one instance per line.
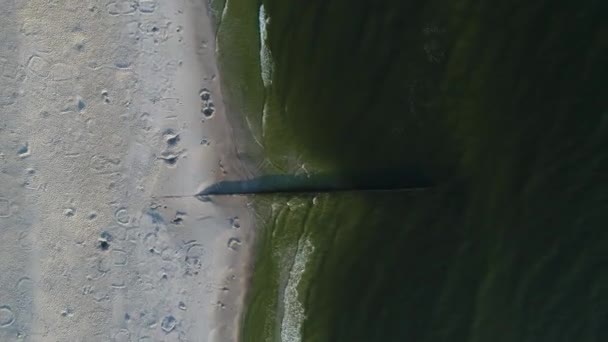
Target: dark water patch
x=355, y=88
x=502, y=106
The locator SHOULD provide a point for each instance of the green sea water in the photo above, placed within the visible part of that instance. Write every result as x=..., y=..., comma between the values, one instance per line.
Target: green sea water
x=502, y=106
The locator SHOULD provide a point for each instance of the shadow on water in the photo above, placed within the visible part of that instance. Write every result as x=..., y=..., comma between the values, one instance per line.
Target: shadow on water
x=318, y=183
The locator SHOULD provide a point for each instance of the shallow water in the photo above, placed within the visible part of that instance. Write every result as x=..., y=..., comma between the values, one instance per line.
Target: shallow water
x=501, y=106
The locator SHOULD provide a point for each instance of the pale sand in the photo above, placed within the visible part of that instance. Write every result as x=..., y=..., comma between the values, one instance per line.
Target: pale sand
x=100, y=116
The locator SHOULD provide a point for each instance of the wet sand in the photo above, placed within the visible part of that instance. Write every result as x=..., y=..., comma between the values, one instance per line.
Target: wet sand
x=107, y=107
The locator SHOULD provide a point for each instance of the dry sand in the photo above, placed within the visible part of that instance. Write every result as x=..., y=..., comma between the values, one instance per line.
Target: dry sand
x=100, y=116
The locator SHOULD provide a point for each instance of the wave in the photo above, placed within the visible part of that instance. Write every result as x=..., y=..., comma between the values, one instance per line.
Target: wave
x=294, y=315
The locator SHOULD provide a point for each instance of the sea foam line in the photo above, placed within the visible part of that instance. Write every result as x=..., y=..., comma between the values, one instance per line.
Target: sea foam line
x=294, y=314
x=266, y=62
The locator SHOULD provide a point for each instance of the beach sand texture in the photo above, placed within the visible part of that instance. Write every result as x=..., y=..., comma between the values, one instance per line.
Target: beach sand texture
x=106, y=107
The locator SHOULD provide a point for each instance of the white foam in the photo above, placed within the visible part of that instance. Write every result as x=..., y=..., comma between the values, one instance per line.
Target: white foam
x=266, y=62
x=294, y=314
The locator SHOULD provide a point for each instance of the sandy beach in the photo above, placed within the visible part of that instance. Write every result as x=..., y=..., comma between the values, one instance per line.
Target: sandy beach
x=107, y=108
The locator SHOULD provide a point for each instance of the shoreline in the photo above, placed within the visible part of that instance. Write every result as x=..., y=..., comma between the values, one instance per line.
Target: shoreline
x=230, y=255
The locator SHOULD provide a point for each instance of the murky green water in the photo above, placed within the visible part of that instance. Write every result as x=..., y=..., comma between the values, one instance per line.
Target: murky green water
x=502, y=106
